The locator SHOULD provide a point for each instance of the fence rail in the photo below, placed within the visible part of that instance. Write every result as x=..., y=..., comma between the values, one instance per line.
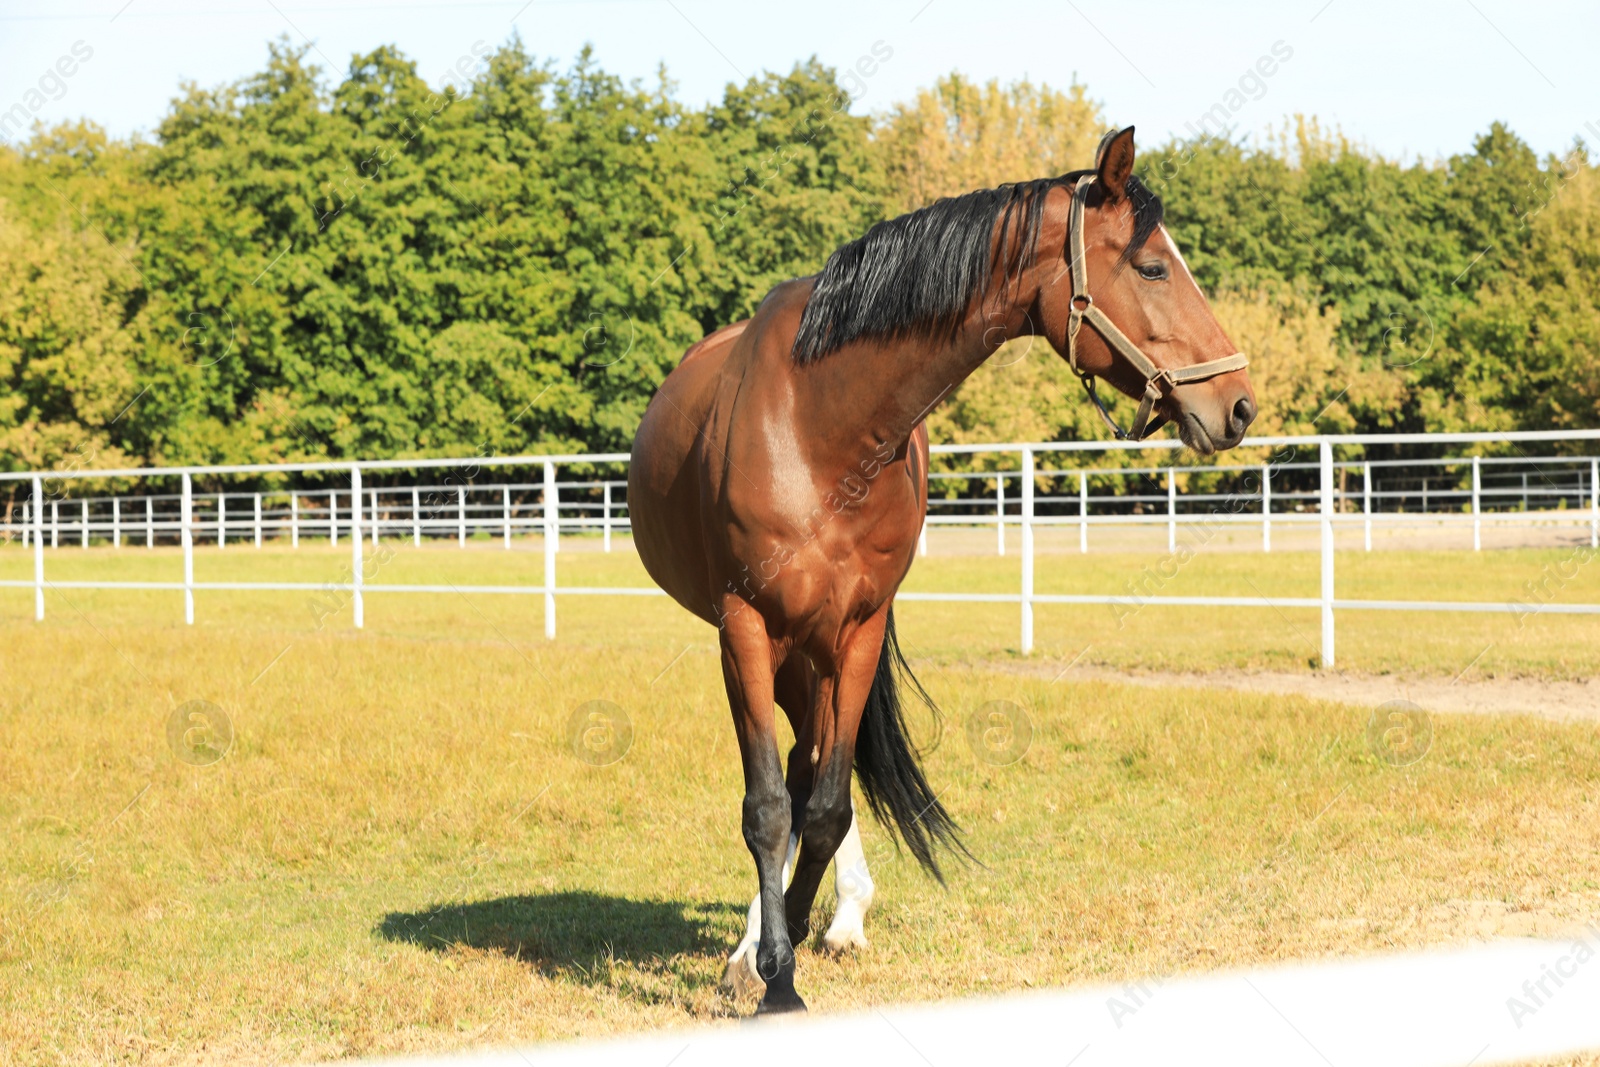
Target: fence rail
x=1566, y=491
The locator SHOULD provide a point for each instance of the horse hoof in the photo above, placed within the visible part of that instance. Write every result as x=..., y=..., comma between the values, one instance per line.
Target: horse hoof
x=776, y=1003
x=844, y=939
x=848, y=929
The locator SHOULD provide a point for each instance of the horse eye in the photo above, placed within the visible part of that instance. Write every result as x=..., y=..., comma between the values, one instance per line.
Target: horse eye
x=1153, y=272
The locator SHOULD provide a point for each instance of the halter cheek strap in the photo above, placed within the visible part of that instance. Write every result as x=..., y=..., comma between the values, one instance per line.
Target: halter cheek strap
x=1157, y=380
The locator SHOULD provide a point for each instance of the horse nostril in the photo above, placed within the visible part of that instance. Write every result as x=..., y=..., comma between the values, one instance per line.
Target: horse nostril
x=1244, y=413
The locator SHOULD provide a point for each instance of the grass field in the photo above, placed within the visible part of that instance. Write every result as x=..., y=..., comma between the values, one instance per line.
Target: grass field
x=401, y=850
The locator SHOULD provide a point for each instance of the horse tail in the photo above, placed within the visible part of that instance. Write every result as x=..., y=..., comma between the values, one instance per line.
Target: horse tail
x=886, y=765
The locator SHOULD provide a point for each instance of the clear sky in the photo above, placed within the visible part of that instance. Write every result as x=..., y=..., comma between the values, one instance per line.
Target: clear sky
x=1407, y=77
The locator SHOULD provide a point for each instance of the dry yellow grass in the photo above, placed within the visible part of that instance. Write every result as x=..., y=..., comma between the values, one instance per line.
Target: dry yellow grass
x=402, y=851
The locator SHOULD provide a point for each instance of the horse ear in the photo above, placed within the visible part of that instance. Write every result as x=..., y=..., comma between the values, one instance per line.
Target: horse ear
x=1113, y=162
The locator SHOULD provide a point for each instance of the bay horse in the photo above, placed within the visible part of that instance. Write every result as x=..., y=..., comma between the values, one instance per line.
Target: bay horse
x=779, y=482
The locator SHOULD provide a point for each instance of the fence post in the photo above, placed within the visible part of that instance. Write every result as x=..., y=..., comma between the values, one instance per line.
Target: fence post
x=149, y=523
x=222, y=520
x=1594, y=503
x=55, y=524
x=257, y=503
x=187, y=537
x=1083, y=511
x=461, y=515
x=38, y=549
x=294, y=520
x=1477, y=519
x=333, y=517
x=551, y=518
x=1000, y=512
x=84, y=511
x=505, y=514
x=1266, y=507
x=374, y=518
x=116, y=522
x=605, y=521
x=1366, y=500
x=1027, y=551
x=416, y=519
x=1172, y=511
x=922, y=537
x=27, y=522
x=1326, y=449
x=357, y=604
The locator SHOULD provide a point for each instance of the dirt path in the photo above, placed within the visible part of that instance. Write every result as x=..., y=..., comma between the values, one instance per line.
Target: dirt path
x=1567, y=701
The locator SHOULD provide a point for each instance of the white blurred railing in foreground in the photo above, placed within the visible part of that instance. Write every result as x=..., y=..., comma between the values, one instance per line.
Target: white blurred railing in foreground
x=1335, y=506
x=1507, y=1002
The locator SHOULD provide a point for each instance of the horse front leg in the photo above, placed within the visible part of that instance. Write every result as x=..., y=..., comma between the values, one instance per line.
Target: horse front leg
x=740, y=977
x=748, y=673
x=794, y=689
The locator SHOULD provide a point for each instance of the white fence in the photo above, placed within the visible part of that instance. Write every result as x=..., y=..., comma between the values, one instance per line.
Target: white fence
x=1502, y=490
x=457, y=512
x=1309, y=495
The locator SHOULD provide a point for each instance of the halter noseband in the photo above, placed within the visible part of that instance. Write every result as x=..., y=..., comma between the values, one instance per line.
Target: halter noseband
x=1156, y=379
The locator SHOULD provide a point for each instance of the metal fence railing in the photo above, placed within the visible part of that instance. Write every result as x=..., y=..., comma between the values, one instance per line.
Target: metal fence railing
x=456, y=512
x=1415, y=492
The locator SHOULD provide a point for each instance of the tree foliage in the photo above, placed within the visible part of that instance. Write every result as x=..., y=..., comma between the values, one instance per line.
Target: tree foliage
x=297, y=267
x=959, y=136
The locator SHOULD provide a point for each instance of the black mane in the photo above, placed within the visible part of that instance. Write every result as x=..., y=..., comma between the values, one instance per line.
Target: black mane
x=915, y=275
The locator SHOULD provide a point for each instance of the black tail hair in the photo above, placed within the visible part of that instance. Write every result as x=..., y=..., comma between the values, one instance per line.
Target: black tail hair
x=886, y=765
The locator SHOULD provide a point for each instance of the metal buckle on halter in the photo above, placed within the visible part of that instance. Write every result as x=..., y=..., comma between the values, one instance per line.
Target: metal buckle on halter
x=1152, y=394
x=1075, y=313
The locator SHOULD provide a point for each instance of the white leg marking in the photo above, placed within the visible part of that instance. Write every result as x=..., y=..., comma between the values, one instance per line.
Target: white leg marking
x=741, y=976
x=854, y=888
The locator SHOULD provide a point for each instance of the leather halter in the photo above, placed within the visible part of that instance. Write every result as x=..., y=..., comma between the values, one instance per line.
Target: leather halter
x=1157, y=380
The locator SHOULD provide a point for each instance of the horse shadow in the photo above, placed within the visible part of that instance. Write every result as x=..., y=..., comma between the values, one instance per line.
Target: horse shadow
x=575, y=935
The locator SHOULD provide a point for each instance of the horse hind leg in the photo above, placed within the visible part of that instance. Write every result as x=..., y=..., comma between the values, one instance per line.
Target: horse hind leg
x=854, y=888
x=829, y=818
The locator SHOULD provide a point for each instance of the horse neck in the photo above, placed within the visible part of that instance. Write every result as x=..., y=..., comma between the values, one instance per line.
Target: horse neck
x=877, y=392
